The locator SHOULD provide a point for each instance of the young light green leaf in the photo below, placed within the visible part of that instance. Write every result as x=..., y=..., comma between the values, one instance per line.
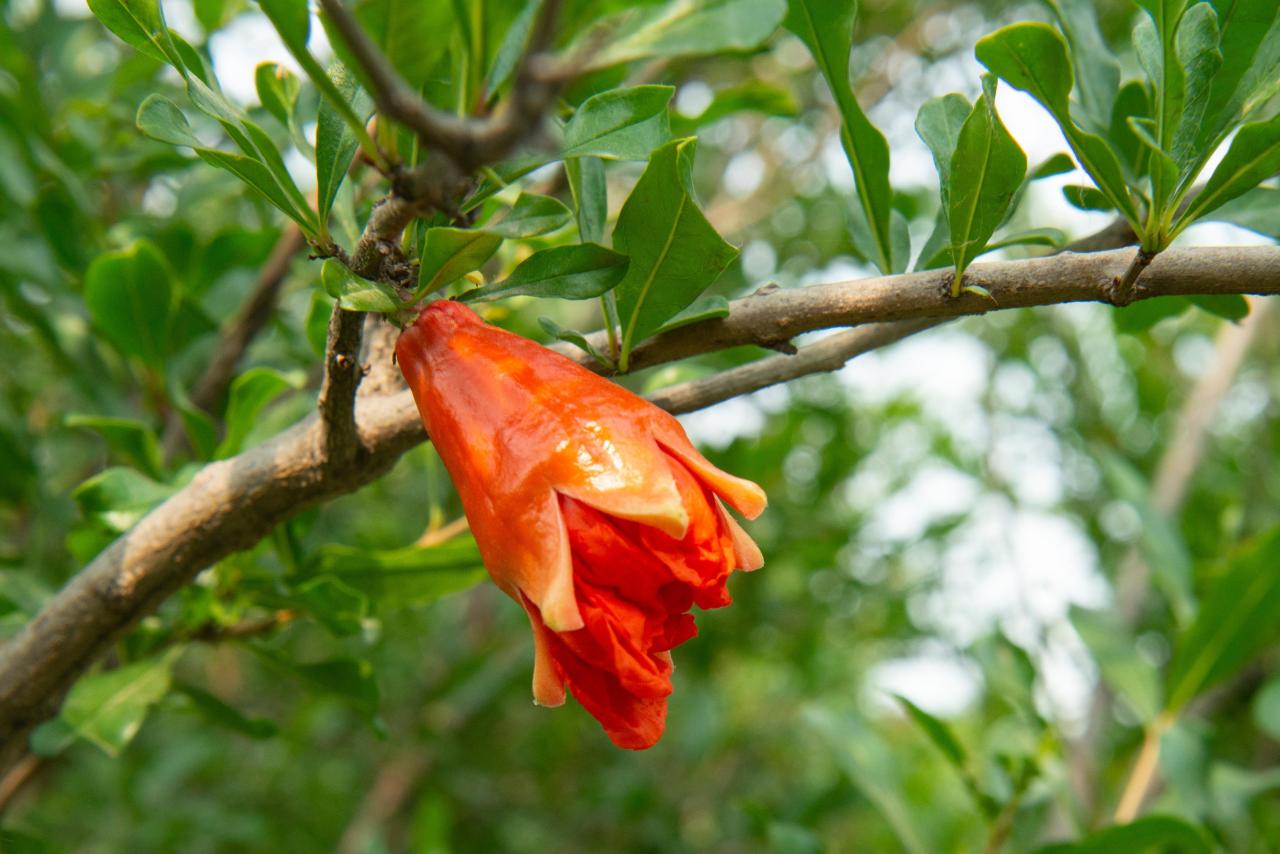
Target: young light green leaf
x=335, y=143
x=1199, y=58
x=132, y=440
x=402, y=578
x=578, y=271
x=513, y=47
x=1124, y=670
x=826, y=28
x=132, y=298
x=1250, y=46
x=1253, y=157
x=532, y=215
x=1240, y=616
x=1132, y=102
x=684, y=28
x=278, y=89
x=1087, y=198
x=675, y=253
x=620, y=124
x=987, y=168
x=249, y=393
x=108, y=708
x=355, y=293
x=937, y=731
x=590, y=196
x=449, y=254
x=938, y=124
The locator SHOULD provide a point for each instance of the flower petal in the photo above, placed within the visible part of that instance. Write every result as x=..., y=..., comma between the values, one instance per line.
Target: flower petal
x=741, y=494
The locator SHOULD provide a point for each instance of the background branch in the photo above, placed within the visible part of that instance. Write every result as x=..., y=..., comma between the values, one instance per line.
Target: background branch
x=231, y=504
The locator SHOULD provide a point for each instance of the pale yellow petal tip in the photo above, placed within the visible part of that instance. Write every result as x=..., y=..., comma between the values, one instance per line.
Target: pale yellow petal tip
x=559, y=610
x=548, y=699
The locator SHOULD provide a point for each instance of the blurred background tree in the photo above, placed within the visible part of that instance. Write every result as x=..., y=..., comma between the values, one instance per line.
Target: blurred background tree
x=1021, y=571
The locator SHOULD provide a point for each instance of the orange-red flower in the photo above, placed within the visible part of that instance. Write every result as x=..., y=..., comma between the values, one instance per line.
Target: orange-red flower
x=590, y=506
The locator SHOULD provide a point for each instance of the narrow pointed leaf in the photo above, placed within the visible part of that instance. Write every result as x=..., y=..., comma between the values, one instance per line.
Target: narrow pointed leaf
x=579, y=271
x=620, y=124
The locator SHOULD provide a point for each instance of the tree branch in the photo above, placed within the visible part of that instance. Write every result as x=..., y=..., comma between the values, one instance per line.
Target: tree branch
x=231, y=504
x=342, y=375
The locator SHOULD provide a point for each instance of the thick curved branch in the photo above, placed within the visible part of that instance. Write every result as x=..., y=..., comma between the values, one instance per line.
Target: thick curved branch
x=231, y=504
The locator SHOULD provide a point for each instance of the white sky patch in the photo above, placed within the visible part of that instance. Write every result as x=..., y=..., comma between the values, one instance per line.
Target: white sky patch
x=249, y=40
x=935, y=679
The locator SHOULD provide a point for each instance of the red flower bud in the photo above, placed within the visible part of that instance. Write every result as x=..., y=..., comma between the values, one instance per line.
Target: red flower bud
x=590, y=506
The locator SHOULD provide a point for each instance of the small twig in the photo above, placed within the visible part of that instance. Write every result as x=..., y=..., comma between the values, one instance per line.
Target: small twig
x=1144, y=770
x=444, y=533
x=469, y=143
x=18, y=777
x=1124, y=287
x=214, y=633
x=342, y=376
x=236, y=337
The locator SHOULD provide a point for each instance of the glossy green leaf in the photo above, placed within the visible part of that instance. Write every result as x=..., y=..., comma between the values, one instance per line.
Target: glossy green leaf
x=128, y=438
x=684, y=28
x=335, y=143
x=531, y=216
x=355, y=293
x=1254, y=156
x=402, y=578
x=139, y=23
x=576, y=338
x=590, y=196
x=1199, y=58
x=938, y=124
x=826, y=28
x=278, y=91
x=449, y=254
x=132, y=298
x=578, y=271
x=1239, y=617
x=1087, y=198
x=620, y=124
x=987, y=168
x=248, y=395
x=1250, y=46
x=108, y=708
x=675, y=253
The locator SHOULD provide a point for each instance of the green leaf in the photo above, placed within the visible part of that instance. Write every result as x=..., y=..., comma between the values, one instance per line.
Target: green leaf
x=513, y=47
x=1266, y=708
x=703, y=308
x=752, y=96
x=1033, y=57
x=684, y=28
x=1144, y=314
x=1240, y=617
x=336, y=605
x=1257, y=210
x=987, y=168
x=675, y=253
x=1161, y=542
x=130, y=439
x=402, y=578
x=132, y=298
x=1097, y=74
x=1132, y=102
x=278, y=90
x=590, y=196
x=579, y=271
x=139, y=23
x=335, y=143
x=826, y=28
x=576, y=338
x=937, y=731
x=249, y=393
x=1162, y=834
x=108, y=708
x=1233, y=307
x=413, y=36
x=1250, y=46
x=938, y=124
x=1199, y=58
x=449, y=254
x=347, y=679
x=161, y=119
x=1087, y=198
x=216, y=711
x=620, y=124
x=1126, y=672
x=1253, y=157
x=531, y=216
x=355, y=293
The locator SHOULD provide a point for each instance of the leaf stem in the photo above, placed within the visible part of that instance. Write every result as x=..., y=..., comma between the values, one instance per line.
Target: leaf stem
x=1144, y=769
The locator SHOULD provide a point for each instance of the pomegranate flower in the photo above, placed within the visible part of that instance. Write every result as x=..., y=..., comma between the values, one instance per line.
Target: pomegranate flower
x=590, y=506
